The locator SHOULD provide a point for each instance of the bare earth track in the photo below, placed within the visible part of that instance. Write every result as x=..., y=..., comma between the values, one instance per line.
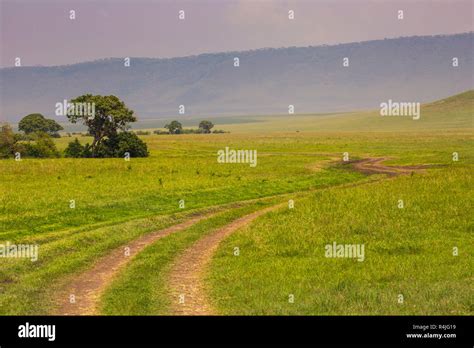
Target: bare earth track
x=187, y=273
x=186, y=277
x=375, y=166
x=186, y=281
x=89, y=286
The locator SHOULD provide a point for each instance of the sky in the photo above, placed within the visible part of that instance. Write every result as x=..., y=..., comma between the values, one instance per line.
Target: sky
x=40, y=32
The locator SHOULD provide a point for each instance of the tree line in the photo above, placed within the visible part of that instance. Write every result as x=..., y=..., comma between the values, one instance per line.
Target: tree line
x=175, y=127
x=109, y=128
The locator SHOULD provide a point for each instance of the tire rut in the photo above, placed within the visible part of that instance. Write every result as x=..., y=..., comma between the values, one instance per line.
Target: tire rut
x=87, y=287
x=186, y=284
x=186, y=280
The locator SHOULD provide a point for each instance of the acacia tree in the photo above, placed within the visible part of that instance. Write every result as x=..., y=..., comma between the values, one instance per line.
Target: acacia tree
x=205, y=126
x=38, y=123
x=174, y=127
x=110, y=115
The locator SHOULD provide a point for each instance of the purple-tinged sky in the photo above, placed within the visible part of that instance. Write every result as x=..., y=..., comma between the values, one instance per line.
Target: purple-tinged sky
x=41, y=33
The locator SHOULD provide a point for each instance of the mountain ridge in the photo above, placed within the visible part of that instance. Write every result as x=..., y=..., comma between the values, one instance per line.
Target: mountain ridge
x=311, y=78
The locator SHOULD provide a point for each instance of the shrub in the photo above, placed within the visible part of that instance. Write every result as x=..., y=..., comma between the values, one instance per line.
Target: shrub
x=129, y=142
x=87, y=153
x=140, y=132
x=119, y=144
x=9, y=142
x=43, y=146
x=74, y=149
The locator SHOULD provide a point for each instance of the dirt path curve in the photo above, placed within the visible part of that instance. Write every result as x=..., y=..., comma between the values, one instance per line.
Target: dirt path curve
x=186, y=276
x=89, y=286
x=186, y=280
x=374, y=166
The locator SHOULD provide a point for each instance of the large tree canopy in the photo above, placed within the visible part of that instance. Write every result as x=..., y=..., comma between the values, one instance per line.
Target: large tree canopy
x=38, y=123
x=111, y=115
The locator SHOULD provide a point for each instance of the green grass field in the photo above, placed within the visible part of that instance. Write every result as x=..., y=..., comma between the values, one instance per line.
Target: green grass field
x=408, y=251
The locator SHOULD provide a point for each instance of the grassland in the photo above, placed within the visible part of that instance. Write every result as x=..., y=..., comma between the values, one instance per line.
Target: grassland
x=408, y=251
x=142, y=288
x=450, y=114
x=117, y=201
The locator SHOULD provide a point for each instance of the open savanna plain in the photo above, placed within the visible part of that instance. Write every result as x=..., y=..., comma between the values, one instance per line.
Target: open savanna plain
x=82, y=212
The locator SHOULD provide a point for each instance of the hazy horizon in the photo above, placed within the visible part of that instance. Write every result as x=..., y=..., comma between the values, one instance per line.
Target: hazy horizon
x=228, y=52
x=312, y=79
x=42, y=34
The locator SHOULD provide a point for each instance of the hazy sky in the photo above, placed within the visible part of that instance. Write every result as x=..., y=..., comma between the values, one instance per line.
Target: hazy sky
x=41, y=33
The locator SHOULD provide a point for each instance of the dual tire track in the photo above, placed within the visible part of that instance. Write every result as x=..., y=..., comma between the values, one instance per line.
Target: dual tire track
x=186, y=279
x=88, y=287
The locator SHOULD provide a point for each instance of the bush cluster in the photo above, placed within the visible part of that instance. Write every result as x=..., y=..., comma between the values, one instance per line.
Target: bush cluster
x=109, y=128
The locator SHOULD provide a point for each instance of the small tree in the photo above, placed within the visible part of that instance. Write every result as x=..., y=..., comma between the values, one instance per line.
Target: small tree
x=38, y=123
x=174, y=127
x=111, y=115
x=205, y=126
x=8, y=142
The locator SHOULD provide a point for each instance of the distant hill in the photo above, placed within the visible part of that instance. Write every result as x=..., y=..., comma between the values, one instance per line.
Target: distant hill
x=461, y=100
x=455, y=113
x=313, y=79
